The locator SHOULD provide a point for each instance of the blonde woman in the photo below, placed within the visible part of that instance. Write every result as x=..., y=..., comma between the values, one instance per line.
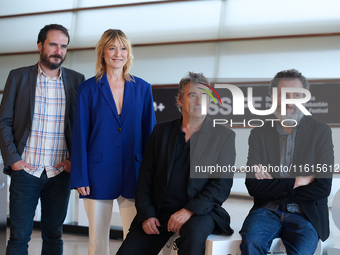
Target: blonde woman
x=113, y=121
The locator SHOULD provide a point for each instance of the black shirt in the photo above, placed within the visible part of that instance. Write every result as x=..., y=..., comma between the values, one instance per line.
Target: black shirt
x=176, y=195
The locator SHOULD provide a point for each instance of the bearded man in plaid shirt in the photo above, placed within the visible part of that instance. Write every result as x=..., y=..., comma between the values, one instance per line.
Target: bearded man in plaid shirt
x=36, y=120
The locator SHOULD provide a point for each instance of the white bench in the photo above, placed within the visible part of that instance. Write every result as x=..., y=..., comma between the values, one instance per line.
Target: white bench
x=230, y=245
x=334, y=249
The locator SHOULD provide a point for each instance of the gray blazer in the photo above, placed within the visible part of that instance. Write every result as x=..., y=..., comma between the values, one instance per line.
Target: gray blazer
x=17, y=109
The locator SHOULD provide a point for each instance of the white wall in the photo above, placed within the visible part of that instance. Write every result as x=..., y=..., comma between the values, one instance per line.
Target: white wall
x=315, y=57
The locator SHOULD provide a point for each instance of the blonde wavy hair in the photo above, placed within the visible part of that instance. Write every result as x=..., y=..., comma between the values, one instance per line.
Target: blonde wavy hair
x=109, y=36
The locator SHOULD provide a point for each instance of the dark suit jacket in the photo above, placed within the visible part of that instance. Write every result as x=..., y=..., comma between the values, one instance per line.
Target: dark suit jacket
x=206, y=195
x=313, y=145
x=17, y=108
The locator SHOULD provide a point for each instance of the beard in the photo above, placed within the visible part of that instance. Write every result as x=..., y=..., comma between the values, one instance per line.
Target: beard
x=45, y=60
x=289, y=118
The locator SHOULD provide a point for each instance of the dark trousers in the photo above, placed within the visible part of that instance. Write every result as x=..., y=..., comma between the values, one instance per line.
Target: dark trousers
x=25, y=191
x=192, y=238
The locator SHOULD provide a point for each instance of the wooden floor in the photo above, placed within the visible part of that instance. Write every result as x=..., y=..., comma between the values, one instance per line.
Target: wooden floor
x=78, y=245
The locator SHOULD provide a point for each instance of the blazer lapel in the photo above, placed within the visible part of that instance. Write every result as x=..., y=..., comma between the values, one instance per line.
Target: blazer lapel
x=67, y=88
x=300, y=140
x=172, y=141
x=272, y=146
x=33, y=84
x=202, y=142
x=107, y=94
x=129, y=92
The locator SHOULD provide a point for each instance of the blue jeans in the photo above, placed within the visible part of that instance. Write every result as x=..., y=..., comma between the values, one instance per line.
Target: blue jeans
x=25, y=191
x=262, y=226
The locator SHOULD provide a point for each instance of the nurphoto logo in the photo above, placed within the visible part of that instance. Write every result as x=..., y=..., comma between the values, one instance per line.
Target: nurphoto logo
x=238, y=104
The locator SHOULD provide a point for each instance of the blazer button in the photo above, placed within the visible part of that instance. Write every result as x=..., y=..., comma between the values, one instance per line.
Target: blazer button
x=119, y=129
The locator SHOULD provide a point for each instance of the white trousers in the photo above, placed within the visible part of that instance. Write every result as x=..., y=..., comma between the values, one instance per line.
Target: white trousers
x=99, y=214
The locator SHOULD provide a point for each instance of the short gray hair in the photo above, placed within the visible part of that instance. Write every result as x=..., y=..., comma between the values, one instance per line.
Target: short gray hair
x=288, y=74
x=190, y=77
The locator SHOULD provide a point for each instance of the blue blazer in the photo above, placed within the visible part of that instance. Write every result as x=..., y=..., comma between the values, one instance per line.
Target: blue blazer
x=107, y=150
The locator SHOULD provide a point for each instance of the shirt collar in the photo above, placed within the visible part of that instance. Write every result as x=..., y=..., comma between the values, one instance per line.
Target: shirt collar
x=282, y=132
x=41, y=72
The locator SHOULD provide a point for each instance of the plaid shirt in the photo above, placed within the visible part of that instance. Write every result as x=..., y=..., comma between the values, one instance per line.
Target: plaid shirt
x=46, y=144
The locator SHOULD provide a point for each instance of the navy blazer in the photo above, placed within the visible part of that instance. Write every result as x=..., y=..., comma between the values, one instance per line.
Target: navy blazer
x=17, y=109
x=214, y=145
x=108, y=150
x=313, y=145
